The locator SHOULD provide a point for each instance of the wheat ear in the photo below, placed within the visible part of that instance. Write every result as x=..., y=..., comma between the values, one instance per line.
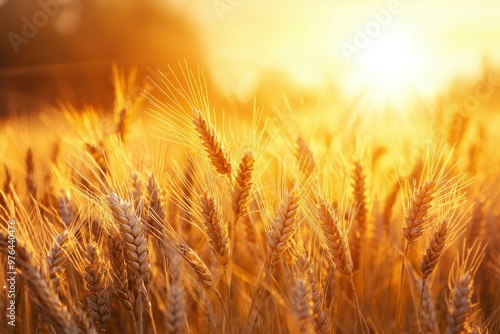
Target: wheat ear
x=322, y=323
x=278, y=240
x=119, y=275
x=134, y=240
x=122, y=124
x=282, y=229
x=460, y=306
x=216, y=230
x=99, y=156
x=338, y=245
x=96, y=287
x=216, y=152
x=427, y=315
x=338, y=249
x=360, y=218
x=156, y=211
x=477, y=224
x=243, y=186
x=136, y=251
x=434, y=250
x=175, y=309
x=30, y=174
x=64, y=208
x=416, y=213
x=303, y=302
x=321, y=319
x=414, y=226
x=389, y=205
x=56, y=260
x=305, y=157
x=203, y=274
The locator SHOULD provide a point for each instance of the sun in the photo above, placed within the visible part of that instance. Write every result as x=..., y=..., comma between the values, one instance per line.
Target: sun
x=392, y=59
x=391, y=69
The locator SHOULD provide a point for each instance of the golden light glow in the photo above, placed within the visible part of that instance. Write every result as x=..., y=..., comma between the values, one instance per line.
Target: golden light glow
x=392, y=66
x=419, y=46
x=392, y=59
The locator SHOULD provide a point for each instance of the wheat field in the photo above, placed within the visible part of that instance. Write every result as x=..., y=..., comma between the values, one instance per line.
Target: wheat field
x=171, y=216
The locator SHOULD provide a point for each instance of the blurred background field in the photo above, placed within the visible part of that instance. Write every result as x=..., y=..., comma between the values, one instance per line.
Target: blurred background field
x=425, y=51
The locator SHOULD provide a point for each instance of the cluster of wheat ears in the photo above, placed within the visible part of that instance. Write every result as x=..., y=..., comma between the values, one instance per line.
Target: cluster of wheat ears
x=173, y=221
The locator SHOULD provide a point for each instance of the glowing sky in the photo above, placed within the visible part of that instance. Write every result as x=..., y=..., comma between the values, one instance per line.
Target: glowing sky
x=445, y=38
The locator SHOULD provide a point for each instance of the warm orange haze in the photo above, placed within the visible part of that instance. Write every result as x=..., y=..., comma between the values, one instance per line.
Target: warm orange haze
x=236, y=166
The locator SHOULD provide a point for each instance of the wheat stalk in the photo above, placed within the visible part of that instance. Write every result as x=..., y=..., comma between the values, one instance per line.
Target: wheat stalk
x=302, y=303
x=98, y=154
x=320, y=317
x=389, y=205
x=416, y=213
x=96, y=287
x=243, y=186
x=175, y=322
x=56, y=259
x=427, y=316
x=305, y=157
x=203, y=274
x=134, y=240
x=64, y=208
x=414, y=226
x=434, y=250
x=460, y=306
x=122, y=124
x=359, y=228
x=30, y=174
x=282, y=229
x=339, y=252
x=216, y=230
x=306, y=298
x=338, y=246
x=278, y=240
x=477, y=224
x=156, y=211
x=213, y=146
x=136, y=251
x=119, y=275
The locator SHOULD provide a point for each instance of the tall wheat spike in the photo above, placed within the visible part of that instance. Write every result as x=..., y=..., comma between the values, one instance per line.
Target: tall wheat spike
x=175, y=309
x=97, y=288
x=414, y=225
x=416, y=213
x=305, y=157
x=216, y=152
x=282, y=229
x=434, y=249
x=338, y=245
x=243, y=185
x=56, y=259
x=360, y=218
x=460, y=307
x=64, y=208
x=119, y=275
x=428, y=315
x=134, y=240
x=215, y=228
x=203, y=274
x=30, y=174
